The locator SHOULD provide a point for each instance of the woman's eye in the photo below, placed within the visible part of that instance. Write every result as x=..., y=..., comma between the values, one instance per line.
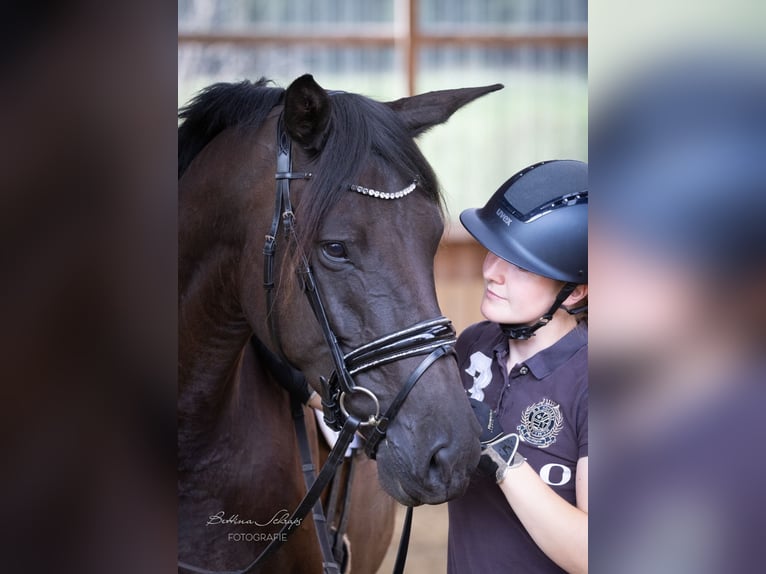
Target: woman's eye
x=335, y=250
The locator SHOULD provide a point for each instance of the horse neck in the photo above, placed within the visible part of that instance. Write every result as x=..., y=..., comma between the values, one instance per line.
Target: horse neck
x=212, y=333
x=213, y=249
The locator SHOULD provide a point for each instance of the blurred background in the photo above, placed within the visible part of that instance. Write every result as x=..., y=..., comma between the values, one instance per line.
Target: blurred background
x=387, y=49
x=677, y=257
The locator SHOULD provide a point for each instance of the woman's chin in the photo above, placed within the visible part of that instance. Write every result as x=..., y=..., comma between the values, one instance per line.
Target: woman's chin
x=489, y=309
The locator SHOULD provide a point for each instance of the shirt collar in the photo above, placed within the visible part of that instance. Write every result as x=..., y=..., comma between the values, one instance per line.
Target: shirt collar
x=551, y=358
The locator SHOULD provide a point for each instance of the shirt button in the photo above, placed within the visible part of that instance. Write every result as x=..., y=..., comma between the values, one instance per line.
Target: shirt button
x=524, y=370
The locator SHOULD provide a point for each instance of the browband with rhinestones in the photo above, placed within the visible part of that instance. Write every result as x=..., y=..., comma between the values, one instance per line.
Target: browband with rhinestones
x=383, y=194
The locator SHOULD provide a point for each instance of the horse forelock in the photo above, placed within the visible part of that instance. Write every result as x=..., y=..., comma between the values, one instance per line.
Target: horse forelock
x=364, y=134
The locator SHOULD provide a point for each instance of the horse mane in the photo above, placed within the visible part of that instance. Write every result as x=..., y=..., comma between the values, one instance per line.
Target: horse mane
x=364, y=132
x=220, y=106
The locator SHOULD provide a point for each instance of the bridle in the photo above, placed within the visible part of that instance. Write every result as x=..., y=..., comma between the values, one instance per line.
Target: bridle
x=434, y=338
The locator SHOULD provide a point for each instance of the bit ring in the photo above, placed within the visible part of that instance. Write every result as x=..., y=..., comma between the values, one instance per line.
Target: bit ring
x=373, y=419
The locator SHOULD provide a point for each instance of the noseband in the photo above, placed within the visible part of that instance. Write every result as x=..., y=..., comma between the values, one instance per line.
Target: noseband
x=433, y=337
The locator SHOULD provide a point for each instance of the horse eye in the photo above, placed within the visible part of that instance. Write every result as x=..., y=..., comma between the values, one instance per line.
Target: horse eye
x=335, y=250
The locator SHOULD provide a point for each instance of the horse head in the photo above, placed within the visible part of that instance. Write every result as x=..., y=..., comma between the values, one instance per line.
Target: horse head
x=366, y=224
x=369, y=222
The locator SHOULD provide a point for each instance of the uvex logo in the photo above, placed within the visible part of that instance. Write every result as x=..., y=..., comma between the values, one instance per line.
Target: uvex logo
x=504, y=216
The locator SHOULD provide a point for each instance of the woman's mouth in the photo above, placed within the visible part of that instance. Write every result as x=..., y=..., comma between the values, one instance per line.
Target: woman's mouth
x=492, y=295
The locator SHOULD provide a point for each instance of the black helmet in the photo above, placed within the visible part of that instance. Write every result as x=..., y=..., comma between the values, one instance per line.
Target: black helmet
x=538, y=220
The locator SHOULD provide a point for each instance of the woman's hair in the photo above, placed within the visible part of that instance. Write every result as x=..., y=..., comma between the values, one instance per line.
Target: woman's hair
x=582, y=317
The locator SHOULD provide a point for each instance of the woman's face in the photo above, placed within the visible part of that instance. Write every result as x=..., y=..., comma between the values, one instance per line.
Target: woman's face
x=513, y=295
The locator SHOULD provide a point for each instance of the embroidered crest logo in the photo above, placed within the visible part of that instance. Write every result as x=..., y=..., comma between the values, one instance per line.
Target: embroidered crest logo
x=540, y=423
x=481, y=371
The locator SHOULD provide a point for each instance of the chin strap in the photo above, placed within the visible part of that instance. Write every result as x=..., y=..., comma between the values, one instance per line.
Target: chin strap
x=521, y=332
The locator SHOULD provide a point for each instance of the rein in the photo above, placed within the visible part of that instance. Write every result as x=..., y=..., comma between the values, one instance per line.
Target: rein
x=433, y=337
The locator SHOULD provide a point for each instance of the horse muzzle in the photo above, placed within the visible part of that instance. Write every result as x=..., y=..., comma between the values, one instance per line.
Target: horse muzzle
x=425, y=472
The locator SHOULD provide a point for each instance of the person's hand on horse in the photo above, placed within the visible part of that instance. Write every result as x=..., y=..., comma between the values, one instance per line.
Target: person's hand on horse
x=291, y=379
x=499, y=451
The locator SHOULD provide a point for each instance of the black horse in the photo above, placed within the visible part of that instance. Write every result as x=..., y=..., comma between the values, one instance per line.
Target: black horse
x=368, y=222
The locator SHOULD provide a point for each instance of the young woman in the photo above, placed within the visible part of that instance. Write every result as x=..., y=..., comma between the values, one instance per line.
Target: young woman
x=525, y=370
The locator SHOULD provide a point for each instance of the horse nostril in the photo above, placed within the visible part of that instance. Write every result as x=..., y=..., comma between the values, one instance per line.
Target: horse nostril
x=439, y=466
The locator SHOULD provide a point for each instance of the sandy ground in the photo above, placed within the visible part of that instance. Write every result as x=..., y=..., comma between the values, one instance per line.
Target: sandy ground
x=428, y=542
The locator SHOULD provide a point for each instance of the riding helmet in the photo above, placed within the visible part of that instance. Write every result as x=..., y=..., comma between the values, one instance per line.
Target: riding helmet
x=538, y=220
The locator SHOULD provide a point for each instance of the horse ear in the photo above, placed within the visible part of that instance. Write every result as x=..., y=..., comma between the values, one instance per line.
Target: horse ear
x=307, y=112
x=424, y=111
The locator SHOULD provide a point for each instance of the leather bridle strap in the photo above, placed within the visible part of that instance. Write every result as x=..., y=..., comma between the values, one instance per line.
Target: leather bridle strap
x=380, y=428
x=417, y=339
x=329, y=565
x=315, y=301
x=283, y=213
x=342, y=523
x=404, y=543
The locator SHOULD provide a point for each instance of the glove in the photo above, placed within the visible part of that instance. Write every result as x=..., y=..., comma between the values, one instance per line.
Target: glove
x=499, y=451
x=292, y=380
x=490, y=426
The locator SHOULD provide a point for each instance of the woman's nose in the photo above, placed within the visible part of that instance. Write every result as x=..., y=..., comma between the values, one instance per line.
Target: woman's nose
x=491, y=268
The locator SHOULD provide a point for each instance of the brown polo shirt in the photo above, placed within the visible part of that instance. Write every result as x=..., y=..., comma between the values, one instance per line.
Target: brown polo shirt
x=545, y=401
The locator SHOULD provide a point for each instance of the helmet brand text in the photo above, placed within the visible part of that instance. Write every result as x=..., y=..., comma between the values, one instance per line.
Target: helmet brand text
x=504, y=216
